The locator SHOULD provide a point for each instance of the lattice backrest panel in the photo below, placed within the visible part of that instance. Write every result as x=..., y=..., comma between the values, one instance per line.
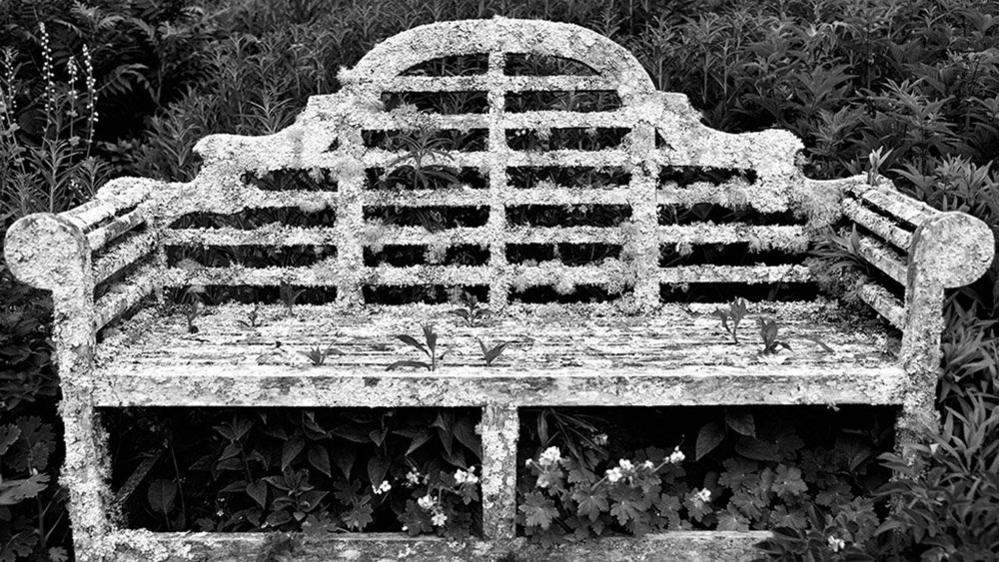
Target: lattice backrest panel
x=522, y=160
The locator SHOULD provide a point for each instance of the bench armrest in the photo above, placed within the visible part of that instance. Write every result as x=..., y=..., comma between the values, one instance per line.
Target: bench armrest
x=926, y=251
x=71, y=252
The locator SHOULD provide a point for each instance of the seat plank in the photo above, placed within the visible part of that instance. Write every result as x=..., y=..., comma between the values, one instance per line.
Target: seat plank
x=556, y=355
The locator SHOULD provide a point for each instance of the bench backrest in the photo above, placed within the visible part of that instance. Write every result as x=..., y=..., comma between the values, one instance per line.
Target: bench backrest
x=484, y=141
x=525, y=160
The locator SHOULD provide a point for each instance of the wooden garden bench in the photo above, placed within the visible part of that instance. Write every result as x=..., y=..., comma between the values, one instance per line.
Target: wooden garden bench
x=547, y=136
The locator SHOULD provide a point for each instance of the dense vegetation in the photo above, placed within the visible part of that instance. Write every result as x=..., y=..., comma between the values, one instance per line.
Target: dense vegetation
x=95, y=89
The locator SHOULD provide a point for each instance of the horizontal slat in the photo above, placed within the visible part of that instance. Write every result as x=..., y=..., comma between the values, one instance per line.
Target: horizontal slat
x=877, y=224
x=589, y=158
x=791, y=238
x=884, y=258
x=682, y=546
x=123, y=254
x=752, y=274
x=469, y=197
x=884, y=303
x=482, y=82
x=734, y=194
x=271, y=235
x=546, y=119
x=897, y=204
x=100, y=237
x=427, y=198
x=90, y=213
x=326, y=274
x=339, y=386
x=124, y=296
x=278, y=235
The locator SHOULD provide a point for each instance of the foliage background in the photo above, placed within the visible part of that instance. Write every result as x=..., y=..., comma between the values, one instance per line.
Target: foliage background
x=918, y=79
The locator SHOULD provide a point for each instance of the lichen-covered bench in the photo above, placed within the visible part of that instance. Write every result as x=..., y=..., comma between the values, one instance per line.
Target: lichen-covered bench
x=526, y=136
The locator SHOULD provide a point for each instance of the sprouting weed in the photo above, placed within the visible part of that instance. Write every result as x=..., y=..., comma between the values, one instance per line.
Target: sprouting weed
x=191, y=311
x=289, y=295
x=319, y=354
x=192, y=306
x=737, y=310
x=411, y=167
x=470, y=311
x=490, y=354
x=876, y=159
x=768, y=332
x=252, y=318
x=841, y=252
x=428, y=347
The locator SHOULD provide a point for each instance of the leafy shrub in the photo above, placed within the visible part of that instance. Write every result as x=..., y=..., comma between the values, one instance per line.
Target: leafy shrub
x=312, y=470
x=746, y=469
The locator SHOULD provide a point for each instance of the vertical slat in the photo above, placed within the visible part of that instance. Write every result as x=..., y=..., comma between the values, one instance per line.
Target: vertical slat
x=499, y=429
x=499, y=286
x=642, y=244
x=350, y=222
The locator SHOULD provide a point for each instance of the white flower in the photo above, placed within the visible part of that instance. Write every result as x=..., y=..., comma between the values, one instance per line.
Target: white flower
x=426, y=502
x=601, y=439
x=676, y=456
x=382, y=488
x=438, y=519
x=405, y=528
x=704, y=495
x=544, y=480
x=836, y=544
x=413, y=477
x=462, y=477
x=648, y=464
x=551, y=456
x=614, y=475
x=625, y=465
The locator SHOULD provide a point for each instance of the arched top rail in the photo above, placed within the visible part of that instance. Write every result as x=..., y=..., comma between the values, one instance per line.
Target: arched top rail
x=392, y=57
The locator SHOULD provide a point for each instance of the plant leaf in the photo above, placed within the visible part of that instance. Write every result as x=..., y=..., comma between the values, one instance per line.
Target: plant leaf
x=411, y=341
x=740, y=421
x=708, y=438
x=291, y=449
x=161, y=495
x=319, y=458
x=258, y=492
x=408, y=363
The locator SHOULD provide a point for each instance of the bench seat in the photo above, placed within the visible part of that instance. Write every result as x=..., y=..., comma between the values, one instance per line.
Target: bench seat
x=582, y=354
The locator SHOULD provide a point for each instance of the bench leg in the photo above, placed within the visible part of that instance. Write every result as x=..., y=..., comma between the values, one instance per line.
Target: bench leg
x=918, y=416
x=500, y=428
x=84, y=475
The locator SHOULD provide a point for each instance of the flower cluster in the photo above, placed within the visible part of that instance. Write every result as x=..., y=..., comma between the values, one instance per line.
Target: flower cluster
x=836, y=544
x=550, y=457
x=466, y=477
x=431, y=504
x=414, y=478
x=47, y=71
x=382, y=488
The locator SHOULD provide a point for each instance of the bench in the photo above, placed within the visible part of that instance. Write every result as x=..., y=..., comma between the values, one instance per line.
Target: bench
x=542, y=140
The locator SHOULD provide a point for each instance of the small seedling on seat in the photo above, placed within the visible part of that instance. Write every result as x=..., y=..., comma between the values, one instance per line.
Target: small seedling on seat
x=191, y=311
x=737, y=310
x=490, y=354
x=289, y=295
x=470, y=311
x=252, y=318
x=318, y=354
x=192, y=306
x=428, y=347
x=768, y=331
